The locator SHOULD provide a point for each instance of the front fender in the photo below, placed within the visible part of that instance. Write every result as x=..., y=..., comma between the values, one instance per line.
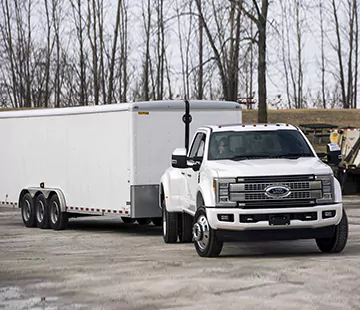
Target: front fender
x=173, y=186
x=337, y=191
x=206, y=188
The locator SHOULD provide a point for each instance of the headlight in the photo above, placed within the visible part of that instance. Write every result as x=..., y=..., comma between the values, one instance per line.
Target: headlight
x=221, y=188
x=327, y=188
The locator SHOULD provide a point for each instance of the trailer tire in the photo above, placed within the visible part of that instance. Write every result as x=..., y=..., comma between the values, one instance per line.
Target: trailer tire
x=185, y=228
x=143, y=221
x=58, y=220
x=42, y=212
x=127, y=220
x=157, y=221
x=337, y=242
x=28, y=210
x=170, y=231
x=205, y=240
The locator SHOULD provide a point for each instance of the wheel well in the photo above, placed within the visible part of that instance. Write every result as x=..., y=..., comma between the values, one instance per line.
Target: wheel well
x=52, y=193
x=22, y=194
x=162, y=194
x=199, y=200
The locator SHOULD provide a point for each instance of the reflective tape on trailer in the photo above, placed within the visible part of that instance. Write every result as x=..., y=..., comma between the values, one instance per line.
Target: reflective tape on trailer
x=8, y=204
x=95, y=211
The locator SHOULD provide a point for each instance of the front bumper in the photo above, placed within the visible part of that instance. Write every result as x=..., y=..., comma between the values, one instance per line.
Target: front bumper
x=238, y=224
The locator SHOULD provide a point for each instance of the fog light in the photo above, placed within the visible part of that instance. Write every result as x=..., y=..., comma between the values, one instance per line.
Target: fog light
x=226, y=217
x=328, y=214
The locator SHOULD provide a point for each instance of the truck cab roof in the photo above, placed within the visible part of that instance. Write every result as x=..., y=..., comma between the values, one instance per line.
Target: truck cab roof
x=250, y=127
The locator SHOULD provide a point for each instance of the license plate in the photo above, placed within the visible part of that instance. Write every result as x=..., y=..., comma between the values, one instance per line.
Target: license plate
x=279, y=219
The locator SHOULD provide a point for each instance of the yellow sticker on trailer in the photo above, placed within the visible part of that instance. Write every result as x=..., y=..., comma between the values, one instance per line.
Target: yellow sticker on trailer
x=143, y=113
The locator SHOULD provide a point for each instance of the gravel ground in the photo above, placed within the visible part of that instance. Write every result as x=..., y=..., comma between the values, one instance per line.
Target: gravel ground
x=102, y=263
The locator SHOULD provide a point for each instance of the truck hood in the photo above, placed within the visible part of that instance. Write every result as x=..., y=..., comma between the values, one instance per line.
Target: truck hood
x=268, y=167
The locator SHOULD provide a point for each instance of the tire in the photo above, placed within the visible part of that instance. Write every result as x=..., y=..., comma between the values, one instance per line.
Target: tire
x=157, y=221
x=205, y=240
x=28, y=210
x=185, y=228
x=41, y=212
x=336, y=243
x=143, y=221
x=170, y=227
x=58, y=220
x=128, y=220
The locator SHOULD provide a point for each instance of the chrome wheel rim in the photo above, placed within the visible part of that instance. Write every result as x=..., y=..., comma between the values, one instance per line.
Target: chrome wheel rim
x=40, y=210
x=201, y=232
x=55, y=211
x=26, y=210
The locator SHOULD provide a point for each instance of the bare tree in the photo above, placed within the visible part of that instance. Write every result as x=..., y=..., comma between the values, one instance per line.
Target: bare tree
x=260, y=19
x=113, y=54
x=225, y=45
x=79, y=25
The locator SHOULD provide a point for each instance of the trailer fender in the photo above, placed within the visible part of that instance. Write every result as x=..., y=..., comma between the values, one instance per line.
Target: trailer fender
x=47, y=192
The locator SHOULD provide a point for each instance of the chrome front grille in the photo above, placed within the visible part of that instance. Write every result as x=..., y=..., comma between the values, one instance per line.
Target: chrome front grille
x=252, y=192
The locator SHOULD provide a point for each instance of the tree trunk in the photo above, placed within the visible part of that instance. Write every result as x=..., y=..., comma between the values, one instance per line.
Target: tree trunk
x=262, y=112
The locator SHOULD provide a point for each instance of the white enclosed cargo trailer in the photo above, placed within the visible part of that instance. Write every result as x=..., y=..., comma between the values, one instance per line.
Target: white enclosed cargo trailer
x=97, y=160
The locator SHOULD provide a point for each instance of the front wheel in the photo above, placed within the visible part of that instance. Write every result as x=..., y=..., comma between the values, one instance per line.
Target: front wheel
x=205, y=240
x=337, y=242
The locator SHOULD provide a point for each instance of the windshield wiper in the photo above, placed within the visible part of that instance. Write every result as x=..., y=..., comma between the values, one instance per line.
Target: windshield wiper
x=241, y=157
x=292, y=155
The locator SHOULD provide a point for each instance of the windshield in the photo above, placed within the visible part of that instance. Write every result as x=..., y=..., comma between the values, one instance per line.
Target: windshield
x=242, y=145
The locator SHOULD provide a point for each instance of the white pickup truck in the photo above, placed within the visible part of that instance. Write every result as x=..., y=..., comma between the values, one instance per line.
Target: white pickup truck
x=251, y=182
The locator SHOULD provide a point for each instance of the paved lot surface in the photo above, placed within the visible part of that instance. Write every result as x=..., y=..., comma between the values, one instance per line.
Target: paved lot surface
x=104, y=264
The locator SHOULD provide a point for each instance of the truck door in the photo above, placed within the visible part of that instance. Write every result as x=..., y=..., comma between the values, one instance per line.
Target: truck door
x=196, y=155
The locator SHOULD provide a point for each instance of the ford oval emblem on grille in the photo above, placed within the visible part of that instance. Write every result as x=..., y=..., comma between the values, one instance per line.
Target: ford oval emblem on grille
x=277, y=191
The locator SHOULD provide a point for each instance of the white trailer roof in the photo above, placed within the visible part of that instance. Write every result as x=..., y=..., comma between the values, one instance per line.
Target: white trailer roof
x=164, y=105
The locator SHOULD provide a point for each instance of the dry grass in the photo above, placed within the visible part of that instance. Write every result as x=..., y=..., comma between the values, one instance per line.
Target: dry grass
x=339, y=117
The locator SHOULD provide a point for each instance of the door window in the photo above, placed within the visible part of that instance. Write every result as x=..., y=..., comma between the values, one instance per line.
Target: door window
x=198, y=147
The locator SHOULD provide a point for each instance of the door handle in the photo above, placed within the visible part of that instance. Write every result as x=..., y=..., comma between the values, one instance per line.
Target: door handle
x=189, y=175
x=183, y=173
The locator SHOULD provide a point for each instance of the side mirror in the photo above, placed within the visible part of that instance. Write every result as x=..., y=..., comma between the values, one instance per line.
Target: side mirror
x=321, y=155
x=333, y=153
x=179, y=158
x=195, y=165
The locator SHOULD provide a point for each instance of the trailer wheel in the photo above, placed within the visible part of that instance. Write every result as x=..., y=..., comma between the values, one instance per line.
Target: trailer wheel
x=336, y=243
x=170, y=232
x=157, y=221
x=205, y=240
x=144, y=221
x=42, y=212
x=28, y=210
x=185, y=228
x=127, y=220
x=58, y=219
